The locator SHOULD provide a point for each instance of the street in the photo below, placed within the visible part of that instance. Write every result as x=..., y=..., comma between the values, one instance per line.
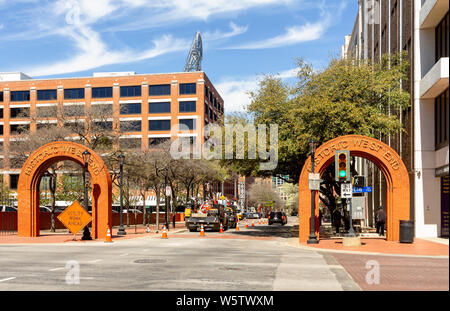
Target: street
x=256, y=258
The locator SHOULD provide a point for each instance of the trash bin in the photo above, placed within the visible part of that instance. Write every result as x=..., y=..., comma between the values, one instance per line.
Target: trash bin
x=406, y=231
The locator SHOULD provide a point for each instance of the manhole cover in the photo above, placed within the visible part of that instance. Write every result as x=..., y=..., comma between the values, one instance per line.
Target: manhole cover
x=150, y=261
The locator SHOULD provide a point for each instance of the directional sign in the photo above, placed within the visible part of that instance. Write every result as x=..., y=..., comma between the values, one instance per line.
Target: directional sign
x=346, y=190
x=362, y=189
x=75, y=217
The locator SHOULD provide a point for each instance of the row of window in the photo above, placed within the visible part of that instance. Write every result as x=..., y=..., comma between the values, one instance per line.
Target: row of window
x=103, y=92
x=441, y=119
x=214, y=101
x=125, y=126
x=441, y=38
x=78, y=110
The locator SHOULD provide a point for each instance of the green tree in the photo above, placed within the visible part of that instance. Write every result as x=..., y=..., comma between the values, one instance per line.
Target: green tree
x=342, y=99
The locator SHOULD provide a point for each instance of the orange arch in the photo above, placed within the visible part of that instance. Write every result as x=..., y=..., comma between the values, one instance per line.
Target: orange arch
x=389, y=162
x=30, y=176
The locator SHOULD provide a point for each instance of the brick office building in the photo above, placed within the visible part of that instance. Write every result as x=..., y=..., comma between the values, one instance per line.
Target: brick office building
x=145, y=106
x=420, y=27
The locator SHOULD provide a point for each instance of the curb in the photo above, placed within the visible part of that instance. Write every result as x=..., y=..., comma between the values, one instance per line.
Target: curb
x=325, y=250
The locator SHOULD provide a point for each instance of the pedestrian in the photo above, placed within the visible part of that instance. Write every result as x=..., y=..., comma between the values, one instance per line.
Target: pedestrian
x=337, y=219
x=380, y=218
x=173, y=220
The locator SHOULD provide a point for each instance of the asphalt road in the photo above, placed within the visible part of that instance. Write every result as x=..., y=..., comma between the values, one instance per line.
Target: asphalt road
x=257, y=258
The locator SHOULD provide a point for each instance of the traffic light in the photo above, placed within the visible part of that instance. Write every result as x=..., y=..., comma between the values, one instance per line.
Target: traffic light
x=342, y=164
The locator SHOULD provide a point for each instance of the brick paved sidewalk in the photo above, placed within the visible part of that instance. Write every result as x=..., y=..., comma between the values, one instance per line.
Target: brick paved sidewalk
x=63, y=237
x=420, y=247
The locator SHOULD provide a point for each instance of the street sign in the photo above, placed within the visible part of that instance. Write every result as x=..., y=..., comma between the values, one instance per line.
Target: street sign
x=362, y=189
x=314, y=181
x=222, y=197
x=346, y=190
x=75, y=217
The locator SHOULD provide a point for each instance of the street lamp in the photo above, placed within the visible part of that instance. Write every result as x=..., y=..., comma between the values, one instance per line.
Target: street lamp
x=312, y=237
x=86, y=157
x=121, y=158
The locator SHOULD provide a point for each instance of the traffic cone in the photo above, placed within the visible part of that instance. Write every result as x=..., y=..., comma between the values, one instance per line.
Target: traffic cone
x=246, y=225
x=164, y=233
x=237, y=226
x=108, y=236
x=202, y=231
x=253, y=223
x=221, y=228
x=148, y=229
x=259, y=222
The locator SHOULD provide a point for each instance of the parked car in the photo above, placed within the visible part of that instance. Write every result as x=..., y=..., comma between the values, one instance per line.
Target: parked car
x=8, y=209
x=277, y=217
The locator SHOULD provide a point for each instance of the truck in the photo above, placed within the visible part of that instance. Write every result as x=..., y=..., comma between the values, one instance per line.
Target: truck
x=210, y=217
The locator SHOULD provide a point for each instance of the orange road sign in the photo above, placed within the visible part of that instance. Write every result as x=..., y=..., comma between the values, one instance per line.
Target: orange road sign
x=75, y=217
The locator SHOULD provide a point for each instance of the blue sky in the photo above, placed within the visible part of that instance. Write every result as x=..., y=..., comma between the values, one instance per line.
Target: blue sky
x=242, y=39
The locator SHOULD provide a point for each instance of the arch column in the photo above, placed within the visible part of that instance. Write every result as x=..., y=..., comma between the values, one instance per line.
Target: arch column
x=29, y=180
x=390, y=163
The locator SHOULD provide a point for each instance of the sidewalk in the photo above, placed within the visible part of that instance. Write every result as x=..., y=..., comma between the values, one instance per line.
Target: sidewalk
x=420, y=247
x=62, y=236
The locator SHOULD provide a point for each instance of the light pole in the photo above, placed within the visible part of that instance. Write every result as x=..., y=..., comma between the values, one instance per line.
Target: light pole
x=312, y=237
x=121, y=158
x=86, y=157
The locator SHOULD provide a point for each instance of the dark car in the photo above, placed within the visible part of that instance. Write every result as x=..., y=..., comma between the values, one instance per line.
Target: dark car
x=277, y=217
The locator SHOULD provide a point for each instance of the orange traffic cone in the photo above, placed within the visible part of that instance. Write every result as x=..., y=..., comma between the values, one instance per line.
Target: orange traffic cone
x=221, y=228
x=259, y=222
x=246, y=225
x=237, y=226
x=253, y=223
x=164, y=233
x=108, y=236
x=202, y=231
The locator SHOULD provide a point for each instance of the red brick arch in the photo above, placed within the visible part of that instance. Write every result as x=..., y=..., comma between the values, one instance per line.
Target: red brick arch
x=389, y=162
x=29, y=180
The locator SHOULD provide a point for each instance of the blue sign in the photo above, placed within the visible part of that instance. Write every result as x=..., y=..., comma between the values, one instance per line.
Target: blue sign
x=362, y=189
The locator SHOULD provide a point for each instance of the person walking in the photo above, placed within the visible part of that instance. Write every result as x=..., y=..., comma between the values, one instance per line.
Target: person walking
x=380, y=220
x=337, y=219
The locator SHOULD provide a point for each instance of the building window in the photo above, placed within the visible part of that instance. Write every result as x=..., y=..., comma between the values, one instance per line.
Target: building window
x=102, y=92
x=47, y=111
x=20, y=96
x=20, y=112
x=132, y=108
x=1, y=96
x=189, y=123
x=130, y=126
x=215, y=117
x=441, y=105
x=155, y=141
x=206, y=91
x=46, y=95
x=162, y=107
x=47, y=126
x=215, y=102
x=130, y=91
x=130, y=143
x=1, y=129
x=206, y=109
x=159, y=90
x=74, y=93
x=104, y=125
x=188, y=88
x=159, y=125
x=16, y=129
x=1, y=113
x=210, y=114
x=188, y=106
x=73, y=110
x=441, y=33
x=13, y=181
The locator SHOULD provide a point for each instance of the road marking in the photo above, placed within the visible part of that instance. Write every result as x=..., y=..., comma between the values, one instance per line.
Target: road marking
x=126, y=254
x=56, y=269
x=7, y=279
x=94, y=261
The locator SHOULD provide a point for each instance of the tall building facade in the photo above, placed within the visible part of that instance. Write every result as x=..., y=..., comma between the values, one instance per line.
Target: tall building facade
x=142, y=108
x=421, y=28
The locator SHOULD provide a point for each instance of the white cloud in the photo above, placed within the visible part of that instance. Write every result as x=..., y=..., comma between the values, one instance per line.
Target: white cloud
x=217, y=35
x=235, y=91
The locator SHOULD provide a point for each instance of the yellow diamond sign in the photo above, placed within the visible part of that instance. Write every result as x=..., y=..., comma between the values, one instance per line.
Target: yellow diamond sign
x=75, y=217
